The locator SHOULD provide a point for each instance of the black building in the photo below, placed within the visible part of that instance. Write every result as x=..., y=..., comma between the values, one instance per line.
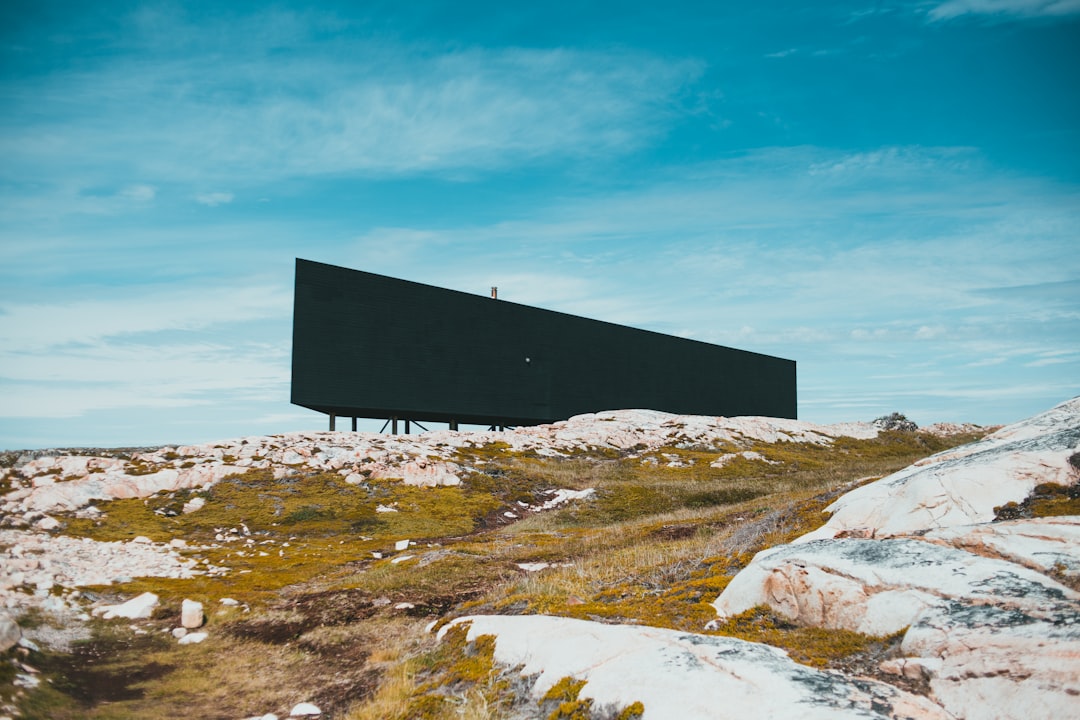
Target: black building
x=371, y=346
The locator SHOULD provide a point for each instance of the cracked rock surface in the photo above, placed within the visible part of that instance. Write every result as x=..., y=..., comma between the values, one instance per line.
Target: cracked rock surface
x=685, y=675
x=962, y=486
x=992, y=616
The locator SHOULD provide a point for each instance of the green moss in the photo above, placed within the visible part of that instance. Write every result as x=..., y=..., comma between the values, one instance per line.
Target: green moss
x=308, y=513
x=818, y=647
x=720, y=496
x=1046, y=500
x=566, y=689
x=572, y=710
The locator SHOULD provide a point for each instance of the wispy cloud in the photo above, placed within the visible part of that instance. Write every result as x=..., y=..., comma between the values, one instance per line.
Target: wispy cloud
x=36, y=328
x=1020, y=8
x=77, y=381
x=139, y=193
x=144, y=348
x=357, y=104
x=214, y=199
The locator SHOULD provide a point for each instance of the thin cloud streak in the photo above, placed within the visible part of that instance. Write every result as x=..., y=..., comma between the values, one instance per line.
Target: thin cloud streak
x=379, y=110
x=38, y=327
x=1021, y=8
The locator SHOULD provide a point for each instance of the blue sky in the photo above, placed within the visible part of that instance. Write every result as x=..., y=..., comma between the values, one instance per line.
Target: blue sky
x=886, y=192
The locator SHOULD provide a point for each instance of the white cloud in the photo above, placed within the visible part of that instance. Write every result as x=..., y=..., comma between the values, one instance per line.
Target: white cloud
x=370, y=108
x=214, y=199
x=79, y=381
x=1023, y=8
x=138, y=193
x=927, y=332
x=29, y=328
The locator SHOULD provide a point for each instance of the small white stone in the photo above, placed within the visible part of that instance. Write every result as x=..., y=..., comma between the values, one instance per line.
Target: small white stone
x=534, y=566
x=138, y=608
x=191, y=614
x=229, y=601
x=143, y=540
x=178, y=543
x=404, y=606
x=193, y=638
x=401, y=559
x=195, y=503
x=401, y=545
x=179, y=632
x=304, y=709
x=48, y=523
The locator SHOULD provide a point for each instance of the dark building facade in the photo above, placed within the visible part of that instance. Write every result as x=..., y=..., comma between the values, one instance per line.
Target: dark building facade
x=372, y=346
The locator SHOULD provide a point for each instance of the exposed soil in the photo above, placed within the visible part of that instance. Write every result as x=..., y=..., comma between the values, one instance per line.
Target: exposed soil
x=91, y=674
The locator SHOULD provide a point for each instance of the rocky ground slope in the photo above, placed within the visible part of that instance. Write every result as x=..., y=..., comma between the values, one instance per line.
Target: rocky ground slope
x=314, y=561
x=989, y=612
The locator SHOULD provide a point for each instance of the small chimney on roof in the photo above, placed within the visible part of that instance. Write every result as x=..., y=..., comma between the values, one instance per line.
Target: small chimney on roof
x=494, y=293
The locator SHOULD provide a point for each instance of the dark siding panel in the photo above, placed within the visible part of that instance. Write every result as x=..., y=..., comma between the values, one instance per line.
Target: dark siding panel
x=373, y=346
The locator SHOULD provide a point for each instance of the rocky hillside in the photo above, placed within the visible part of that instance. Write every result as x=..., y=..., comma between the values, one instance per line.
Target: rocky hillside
x=623, y=564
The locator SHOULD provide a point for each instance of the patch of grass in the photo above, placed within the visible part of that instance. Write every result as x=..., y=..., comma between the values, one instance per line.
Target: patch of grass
x=817, y=647
x=1046, y=500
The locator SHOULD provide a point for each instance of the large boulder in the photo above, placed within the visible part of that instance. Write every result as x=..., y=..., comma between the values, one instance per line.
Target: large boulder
x=993, y=639
x=1048, y=545
x=878, y=587
x=987, y=662
x=990, y=628
x=685, y=675
x=962, y=486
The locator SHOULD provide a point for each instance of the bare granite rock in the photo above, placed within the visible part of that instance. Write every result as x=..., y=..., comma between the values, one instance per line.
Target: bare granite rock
x=1048, y=545
x=685, y=675
x=10, y=634
x=962, y=486
x=878, y=587
x=989, y=630
x=137, y=608
x=61, y=483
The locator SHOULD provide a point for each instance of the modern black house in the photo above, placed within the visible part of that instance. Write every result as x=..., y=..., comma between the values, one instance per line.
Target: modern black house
x=371, y=346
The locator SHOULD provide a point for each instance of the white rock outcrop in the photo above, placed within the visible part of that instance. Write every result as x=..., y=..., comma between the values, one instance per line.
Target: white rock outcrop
x=962, y=486
x=989, y=626
x=685, y=675
x=39, y=560
x=1048, y=545
x=140, y=607
x=423, y=473
x=878, y=587
x=70, y=483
